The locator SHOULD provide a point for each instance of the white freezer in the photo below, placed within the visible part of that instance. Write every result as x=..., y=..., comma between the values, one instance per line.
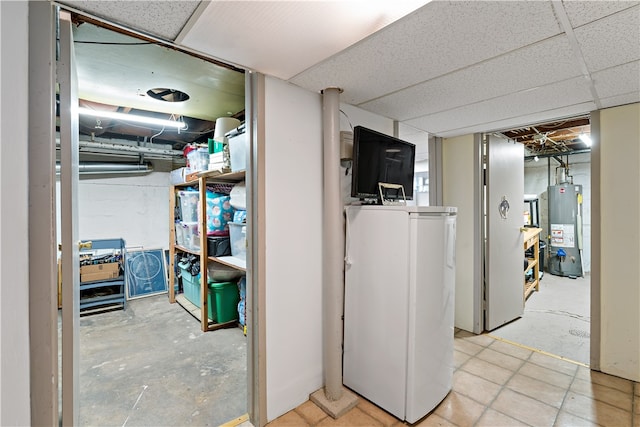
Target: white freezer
x=399, y=296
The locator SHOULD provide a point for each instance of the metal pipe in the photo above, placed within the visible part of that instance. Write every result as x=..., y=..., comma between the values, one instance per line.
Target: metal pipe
x=110, y=168
x=115, y=148
x=103, y=146
x=540, y=156
x=333, y=247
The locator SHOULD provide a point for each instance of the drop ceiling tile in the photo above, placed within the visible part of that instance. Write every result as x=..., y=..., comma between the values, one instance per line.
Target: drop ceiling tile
x=437, y=39
x=558, y=95
x=603, y=48
x=283, y=38
x=163, y=19
x=614, y=101
x=532, y=66
x=521, y=121
x=619, y=80
x=582, y=12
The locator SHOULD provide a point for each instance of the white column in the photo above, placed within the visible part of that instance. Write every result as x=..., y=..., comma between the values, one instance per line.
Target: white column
x=333, y=247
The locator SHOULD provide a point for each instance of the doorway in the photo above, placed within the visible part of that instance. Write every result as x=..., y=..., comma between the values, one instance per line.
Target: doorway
x=153, y=200
x=556, y=318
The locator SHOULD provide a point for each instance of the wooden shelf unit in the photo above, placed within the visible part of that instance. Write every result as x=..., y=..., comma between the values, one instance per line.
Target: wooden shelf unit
x=200, y=181
x=532, y=239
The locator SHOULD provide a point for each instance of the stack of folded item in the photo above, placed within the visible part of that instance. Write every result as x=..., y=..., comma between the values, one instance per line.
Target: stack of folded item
x=216, y=161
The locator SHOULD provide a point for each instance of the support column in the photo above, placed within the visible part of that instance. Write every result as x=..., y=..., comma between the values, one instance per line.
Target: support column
x=335, y=399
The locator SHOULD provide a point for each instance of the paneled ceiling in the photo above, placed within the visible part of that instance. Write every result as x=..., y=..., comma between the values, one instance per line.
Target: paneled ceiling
x=448, y=68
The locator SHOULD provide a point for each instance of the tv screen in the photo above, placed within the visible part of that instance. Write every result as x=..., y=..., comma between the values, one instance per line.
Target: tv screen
x=380, y=158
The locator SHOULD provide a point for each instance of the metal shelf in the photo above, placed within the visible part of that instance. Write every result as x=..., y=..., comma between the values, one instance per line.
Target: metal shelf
x=112, y=300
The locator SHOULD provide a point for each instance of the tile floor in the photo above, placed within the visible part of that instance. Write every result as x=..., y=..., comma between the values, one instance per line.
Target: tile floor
x=497, y=383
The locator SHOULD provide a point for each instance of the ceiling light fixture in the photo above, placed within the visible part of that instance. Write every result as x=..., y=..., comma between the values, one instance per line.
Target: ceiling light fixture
x=536, y=158
x=131, y=118
x=585, y=138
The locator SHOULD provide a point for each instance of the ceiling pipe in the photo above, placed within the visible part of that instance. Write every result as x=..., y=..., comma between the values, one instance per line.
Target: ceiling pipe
x=89, y=146
x=110, y=168
x=114, y=148
x=569, y=153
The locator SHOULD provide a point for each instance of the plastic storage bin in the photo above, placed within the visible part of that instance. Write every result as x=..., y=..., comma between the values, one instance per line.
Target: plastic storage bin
x=190, y=284
x=238, y=152
x=189, y=205
x=198, y=159
x=179, y=234
x=191, y=238
x=226, y=301
x=191, y=289
x=238, y=237
x=222, y=297
x=218, y=246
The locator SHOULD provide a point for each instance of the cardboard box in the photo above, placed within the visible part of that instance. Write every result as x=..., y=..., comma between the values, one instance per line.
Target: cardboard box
x=90, y=273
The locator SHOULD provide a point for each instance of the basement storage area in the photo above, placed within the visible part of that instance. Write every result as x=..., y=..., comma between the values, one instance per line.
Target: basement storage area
x=556, y=207
x=161, y=216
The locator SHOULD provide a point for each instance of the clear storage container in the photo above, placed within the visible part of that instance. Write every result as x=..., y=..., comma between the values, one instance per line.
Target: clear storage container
x=238, y=237
x=191, y=236
x=189, y=205
x=198, y=159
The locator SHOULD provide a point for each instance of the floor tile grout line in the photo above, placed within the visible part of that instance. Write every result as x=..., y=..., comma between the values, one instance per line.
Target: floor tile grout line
x=489, y=404
x=528, y=360
x=505, y=386
x=514, y=373
x=502, y=386
x=566, y=393
x=595, y=400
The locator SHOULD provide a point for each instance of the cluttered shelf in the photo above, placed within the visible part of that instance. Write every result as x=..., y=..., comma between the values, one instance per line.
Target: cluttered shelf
x=193, y=178
x=207, y=231
x=102, y=275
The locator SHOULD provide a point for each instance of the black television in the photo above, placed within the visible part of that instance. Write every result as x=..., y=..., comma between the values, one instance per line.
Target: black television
x=380, y=158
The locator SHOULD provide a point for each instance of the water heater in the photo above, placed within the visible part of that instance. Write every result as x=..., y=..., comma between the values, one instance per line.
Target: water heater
x=565, y=229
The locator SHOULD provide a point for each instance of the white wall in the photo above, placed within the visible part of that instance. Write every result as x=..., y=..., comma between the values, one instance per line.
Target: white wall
x=293, y=218
x=135, y=208
x=619, y=251
x=536, y=181
x=458, y=188
x=14, y=259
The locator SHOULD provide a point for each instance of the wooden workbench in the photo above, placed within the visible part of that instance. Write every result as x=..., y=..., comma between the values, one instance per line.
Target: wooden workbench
x=532, y=239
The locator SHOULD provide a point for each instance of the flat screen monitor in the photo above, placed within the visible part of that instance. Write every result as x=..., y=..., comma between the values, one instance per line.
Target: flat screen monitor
x=380, y=158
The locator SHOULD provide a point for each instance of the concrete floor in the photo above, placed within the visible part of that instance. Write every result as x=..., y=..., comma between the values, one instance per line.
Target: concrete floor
x=151, y=365
x=556, y=319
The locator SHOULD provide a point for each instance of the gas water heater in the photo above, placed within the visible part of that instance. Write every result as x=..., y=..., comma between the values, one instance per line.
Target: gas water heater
x=565, y=227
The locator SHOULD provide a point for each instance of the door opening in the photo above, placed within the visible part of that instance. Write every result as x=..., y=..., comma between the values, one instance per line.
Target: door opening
x=557, y=173
x=178, y=377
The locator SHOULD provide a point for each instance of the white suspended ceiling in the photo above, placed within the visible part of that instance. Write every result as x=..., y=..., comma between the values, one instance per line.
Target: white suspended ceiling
x=448, y=68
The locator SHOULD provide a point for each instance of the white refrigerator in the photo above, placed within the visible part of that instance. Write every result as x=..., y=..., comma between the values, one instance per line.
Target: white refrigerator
x=398, y=308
